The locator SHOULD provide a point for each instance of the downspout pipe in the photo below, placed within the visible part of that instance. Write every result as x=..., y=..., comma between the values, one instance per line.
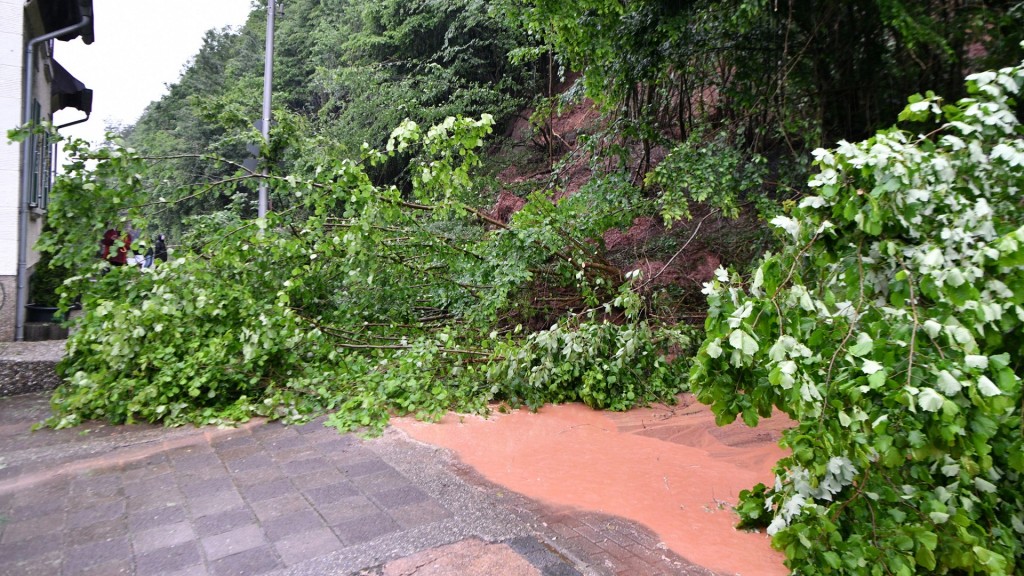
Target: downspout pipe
x=26, y=174
x=72, y=123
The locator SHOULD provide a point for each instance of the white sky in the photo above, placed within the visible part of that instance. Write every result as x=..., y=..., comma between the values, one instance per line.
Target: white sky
x=140, y=47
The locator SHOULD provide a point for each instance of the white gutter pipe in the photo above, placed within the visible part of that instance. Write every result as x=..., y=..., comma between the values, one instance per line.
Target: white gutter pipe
x=26, y=174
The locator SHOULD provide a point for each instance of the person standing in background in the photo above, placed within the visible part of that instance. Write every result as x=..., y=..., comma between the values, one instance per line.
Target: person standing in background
x=161, y=248
x=118, y=256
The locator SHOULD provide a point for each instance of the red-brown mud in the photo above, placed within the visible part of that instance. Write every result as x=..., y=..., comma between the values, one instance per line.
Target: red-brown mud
x=667, y=467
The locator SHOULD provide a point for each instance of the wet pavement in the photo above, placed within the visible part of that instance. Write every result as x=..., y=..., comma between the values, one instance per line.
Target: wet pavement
x=265, y=498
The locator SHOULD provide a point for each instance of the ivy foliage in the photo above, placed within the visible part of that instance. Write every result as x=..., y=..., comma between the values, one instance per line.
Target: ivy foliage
x=889, y=328
x=355, y=298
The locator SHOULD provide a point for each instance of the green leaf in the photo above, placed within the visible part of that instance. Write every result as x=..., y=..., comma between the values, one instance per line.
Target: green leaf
x=929, y=400
x=862, y=346
x=743, y=341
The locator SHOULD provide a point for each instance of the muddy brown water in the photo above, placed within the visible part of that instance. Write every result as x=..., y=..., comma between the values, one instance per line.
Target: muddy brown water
x=667, y=467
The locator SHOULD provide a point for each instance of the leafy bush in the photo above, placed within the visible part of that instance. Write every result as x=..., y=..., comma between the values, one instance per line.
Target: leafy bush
x=890, y=328
x=353, y=298
x=604, y=365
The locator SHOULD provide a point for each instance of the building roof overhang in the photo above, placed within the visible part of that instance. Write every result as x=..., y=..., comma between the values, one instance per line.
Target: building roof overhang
x=59, y=14
x=66, y=91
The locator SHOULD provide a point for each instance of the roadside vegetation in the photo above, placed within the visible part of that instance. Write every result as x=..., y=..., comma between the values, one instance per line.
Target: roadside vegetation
x=499, y=204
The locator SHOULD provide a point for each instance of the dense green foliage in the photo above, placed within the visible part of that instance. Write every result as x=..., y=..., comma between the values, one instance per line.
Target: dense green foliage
x=356, y=298
x=381, y=282
x=890, y=329
x=346, y=73
x=790, y=72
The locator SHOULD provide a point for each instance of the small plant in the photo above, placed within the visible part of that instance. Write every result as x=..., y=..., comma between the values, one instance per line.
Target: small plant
x=46, y=281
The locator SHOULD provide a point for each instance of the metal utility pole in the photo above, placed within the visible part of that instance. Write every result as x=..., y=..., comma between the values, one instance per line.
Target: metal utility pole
x=268, y=74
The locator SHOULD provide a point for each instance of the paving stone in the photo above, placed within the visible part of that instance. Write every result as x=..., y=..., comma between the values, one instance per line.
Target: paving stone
x=105, y=530
x=272, y=430
x=247, y=563
x=31, y=548
x=267, y=490
x=229, y=455
x=589, y=533
x=155, y=499
x=331, y=493
x=253, y=462
x=530, y=546
x=336, y=445
x=147, y=469
x=86, y=516
x=233, y=441
x=306, y=465
x=46, y=565
x=197, y=570
x=172, y=559
x=311, y=427
x=108, y=568
x=398, y=497
x=93, y=485
x=382, y=481
x=316, y=479
x=148, y=486
x=291, y=524
x=365, y=528
x=322, y=434
x=296, y=454
x=195, y=459
x=32, y=527
x=347, y=509
x=360, y=465
x=155, y=517
x=223, y=521
x=274, y=507
x=257, y=476
x=79, y=558
x=233, y=542
x=567, y=570
x=214, y=503
x=305, y=545
x=11, y=471
x=199, y=487
x=163, y=537
x=419, y=514
x=356, y=460
x=26, y=510
x=285, y=443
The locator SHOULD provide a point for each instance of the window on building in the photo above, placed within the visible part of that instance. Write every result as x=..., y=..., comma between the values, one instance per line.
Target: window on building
x=41, y=166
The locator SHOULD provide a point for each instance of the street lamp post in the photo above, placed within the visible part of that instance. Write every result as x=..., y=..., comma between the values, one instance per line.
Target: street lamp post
x=268, y=74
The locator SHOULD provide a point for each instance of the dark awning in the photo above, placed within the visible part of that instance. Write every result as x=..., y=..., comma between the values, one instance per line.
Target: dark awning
x=58, y=14
x=66, y=91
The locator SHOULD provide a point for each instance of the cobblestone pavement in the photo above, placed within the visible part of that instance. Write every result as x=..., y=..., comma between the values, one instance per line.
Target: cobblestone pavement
x=265, y=498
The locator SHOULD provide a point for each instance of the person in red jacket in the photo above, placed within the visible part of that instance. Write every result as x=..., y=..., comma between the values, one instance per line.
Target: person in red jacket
x=108, y=240
x=117, y=256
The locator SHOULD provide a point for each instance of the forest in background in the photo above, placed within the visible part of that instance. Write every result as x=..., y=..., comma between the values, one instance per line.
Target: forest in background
x=509, y=202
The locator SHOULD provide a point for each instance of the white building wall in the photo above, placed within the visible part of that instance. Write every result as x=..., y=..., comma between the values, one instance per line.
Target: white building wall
x=12, y=15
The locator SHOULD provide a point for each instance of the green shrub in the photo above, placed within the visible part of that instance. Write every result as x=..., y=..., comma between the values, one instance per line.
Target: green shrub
x=890, y=328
